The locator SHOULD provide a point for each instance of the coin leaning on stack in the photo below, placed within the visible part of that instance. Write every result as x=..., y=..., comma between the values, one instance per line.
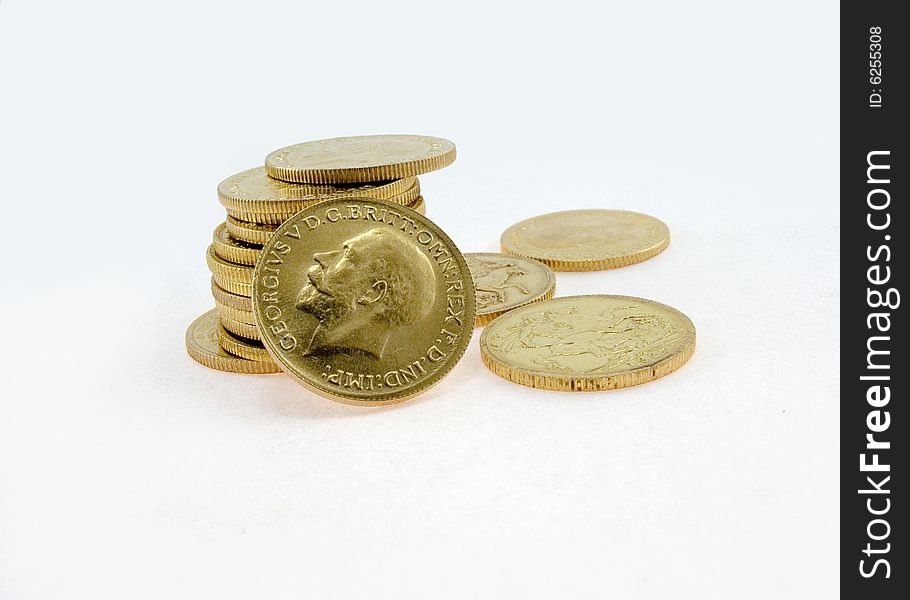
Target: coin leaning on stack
x=259, y=200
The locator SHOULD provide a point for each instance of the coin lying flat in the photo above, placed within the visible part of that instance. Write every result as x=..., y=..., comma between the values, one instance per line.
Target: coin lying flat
x=253, y=233
x=587, y=240
x=242, y=347
x=234, y=314
x=223, y=296
x=225, y=270
x=502, y=283
x=363, y=301
x=203, y=344
x=245, y=330
x=418, y=206
x=232, y=249
x=406, y=197
x=587, y=343
x=238, y=289
x=360, y=159
x=253, y=191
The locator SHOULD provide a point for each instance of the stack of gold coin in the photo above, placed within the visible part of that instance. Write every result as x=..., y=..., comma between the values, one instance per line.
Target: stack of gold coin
x=259, y=200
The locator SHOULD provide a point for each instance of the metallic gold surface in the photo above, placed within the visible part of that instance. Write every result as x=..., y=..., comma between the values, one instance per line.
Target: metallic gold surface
x=227, y=271
x=587, y=240
x=244, y=348
x=406, y=197
x=247, y=330
x=239, y=289
x=587, y=343
x=360, y=159
x=222, y=296
x=232, y=249
x=252, y=233
x=363, y=301
x=253, y=191
x=229, y=312
x=203, y=344
x=505, y=282
x=418, y=206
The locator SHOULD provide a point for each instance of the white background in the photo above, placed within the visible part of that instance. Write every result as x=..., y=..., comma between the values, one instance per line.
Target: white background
x=129, y=471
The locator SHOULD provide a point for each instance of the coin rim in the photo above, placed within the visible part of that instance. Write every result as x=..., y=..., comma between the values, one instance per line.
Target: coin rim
x=426, y=384
x=484, y=318
x=588, y=264
x=225, y=364
x=379, y=172
x=546, y=380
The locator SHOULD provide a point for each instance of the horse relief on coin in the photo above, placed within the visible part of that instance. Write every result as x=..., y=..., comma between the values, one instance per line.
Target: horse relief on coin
x=363, y=301
x=505, y=282
x=586, y=343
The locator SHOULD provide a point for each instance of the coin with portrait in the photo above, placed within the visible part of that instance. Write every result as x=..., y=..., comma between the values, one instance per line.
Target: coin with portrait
x=363, y=301
x=504, y=282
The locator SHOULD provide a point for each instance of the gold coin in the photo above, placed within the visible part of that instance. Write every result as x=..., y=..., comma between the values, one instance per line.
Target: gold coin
x=226, y=298
x=244, y=348
x=502, y=283
x=234, y=250
x=252, y=233
x=253, y=191
x=370, y=303
x=360, y=159
x=418, y=206
x=247, y=330
x=587, y=240
x=229, y=312
x=227, y=271
x=277, y=218
x=239, y=289
x=587, y=343
x=203, y=344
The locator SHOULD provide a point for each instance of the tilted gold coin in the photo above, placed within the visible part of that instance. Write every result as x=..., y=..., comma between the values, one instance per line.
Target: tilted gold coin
x=245, y=231
x=363, y=301
x=587, y=240
x=502, y=283
x=242, y=347
x=234, y=314
x=253, y=191
x=203, y=344
x=226, y=298
x=225, y=270
x=232, y=249
x=587, y=343
x=360, y=159
x=277, y=218
x=247, y=330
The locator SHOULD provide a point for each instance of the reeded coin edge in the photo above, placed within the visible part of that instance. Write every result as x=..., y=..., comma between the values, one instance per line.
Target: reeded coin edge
x=390, y=189
x=277, y=218
x=589, y=383
x=252, y=233
x=227, y=364
x=592, y=264
x=246, y=330
x=411, y=168
x=235, y=301
x=239, y=347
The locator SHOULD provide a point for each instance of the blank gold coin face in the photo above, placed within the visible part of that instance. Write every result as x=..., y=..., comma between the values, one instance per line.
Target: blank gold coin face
x=363, y=301
x=587, y=240
x=360, y=159
x=588, y=343
x=505, y=282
